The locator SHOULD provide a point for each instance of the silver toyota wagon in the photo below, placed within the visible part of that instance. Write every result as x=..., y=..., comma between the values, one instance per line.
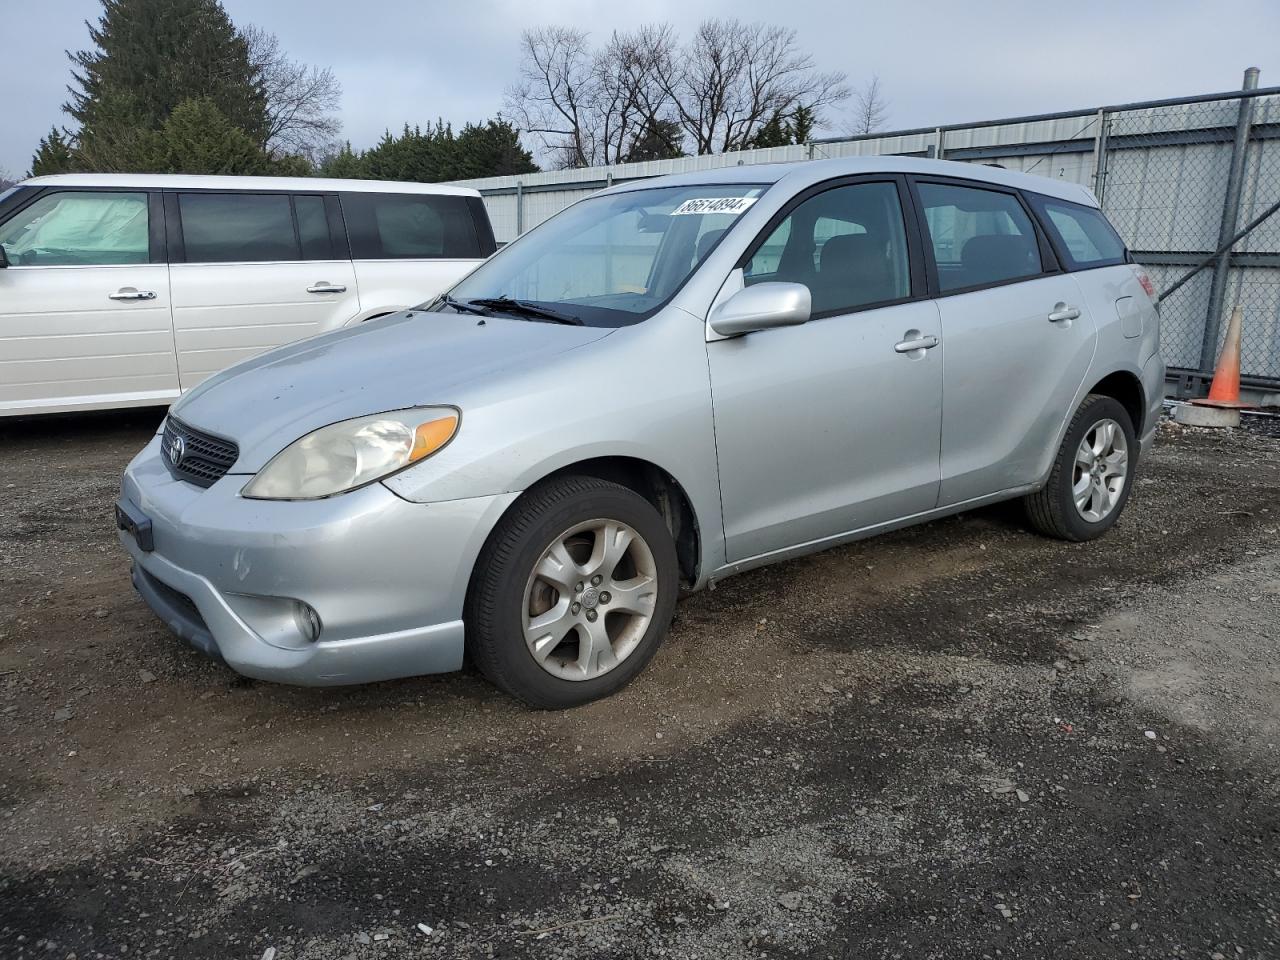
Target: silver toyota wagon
x=668, y=383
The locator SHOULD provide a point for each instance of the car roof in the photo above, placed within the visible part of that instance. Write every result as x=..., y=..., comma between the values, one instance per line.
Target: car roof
x=155, y=181
x=804, y=173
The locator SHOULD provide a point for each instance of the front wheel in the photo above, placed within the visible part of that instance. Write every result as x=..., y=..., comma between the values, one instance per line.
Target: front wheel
x=1092, y=475
x=573, y=593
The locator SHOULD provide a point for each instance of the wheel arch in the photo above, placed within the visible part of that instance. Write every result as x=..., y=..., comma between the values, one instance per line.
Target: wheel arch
x=667, y=495
x=1126, y=388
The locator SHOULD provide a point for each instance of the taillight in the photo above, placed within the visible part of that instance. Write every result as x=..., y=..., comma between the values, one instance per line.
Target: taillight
x=1147, y=285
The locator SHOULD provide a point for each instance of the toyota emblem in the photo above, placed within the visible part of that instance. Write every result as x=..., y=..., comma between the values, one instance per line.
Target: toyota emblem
x=177, y=450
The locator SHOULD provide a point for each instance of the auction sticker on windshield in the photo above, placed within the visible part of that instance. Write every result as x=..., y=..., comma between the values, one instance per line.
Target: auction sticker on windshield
x=730, y=205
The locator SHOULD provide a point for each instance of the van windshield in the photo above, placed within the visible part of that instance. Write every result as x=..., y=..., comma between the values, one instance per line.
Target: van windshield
x=611, y=260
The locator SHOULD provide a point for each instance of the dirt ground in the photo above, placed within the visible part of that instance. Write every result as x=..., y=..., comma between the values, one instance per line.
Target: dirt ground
x=959, y=740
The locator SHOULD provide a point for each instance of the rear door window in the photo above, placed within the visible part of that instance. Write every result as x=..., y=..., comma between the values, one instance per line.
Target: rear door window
x=1083, y=235
x=79, y=228
x=237, y=227
x=388, y=226
x=979, y=237
x=313, y=228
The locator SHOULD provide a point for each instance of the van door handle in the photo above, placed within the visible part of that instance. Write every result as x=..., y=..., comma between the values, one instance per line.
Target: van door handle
x=131, y=293
x=915, y=343
x=1063, y=311
x=324, y=286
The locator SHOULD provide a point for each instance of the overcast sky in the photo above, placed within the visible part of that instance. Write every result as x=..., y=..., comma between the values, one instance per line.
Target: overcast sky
x=938, y=62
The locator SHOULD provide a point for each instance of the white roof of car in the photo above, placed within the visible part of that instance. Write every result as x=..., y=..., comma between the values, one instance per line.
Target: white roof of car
x=153, y=181
x=805, y=172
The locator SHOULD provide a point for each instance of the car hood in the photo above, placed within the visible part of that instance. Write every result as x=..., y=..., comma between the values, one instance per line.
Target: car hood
x=402, y=360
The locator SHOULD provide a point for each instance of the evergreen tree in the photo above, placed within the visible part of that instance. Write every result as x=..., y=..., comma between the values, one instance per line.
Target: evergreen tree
x=803, y=120
x=660, y=140
x=53, y=155
x=491, y=149
x=346, y=164
x=415, y=155
x=158, y=53
x=198, y=138
x=774, y=133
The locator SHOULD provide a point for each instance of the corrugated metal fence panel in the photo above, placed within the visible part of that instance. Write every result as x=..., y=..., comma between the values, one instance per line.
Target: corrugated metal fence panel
x=1165, y=185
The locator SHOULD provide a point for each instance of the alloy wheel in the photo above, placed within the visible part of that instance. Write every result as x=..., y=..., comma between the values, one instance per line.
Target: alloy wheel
x=1101, y=470
x=589, y=599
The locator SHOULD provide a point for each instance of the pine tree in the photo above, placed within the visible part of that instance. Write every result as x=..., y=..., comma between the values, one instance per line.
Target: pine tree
x=158, y=53
x=53, y=155
x=803, y=120
x=660, y=140
x=491, y=149
x=198, y=138
x=345, y=164
x=774, y=133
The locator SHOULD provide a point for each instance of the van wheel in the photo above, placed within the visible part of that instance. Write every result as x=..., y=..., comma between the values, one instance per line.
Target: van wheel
x=1092, y=475
x=572, y=594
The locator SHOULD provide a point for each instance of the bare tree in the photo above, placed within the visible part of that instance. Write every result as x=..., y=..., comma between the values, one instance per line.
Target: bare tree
x=586, y=107
x=6, y=181
x=301, y=99
x=871, y=109
x=551, y=100
x=715, y=93
x=733, y=77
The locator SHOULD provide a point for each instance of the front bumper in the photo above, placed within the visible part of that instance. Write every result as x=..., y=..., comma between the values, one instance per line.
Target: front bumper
x=387, y=578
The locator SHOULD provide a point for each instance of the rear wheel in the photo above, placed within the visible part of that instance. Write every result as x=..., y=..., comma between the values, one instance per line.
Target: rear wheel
x=573, y=593
x=1092, y=475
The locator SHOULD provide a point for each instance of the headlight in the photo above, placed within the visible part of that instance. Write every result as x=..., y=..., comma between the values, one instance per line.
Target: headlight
x=350, y=454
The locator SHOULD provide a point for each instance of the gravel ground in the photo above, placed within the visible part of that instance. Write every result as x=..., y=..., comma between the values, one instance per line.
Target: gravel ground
x=954, y=741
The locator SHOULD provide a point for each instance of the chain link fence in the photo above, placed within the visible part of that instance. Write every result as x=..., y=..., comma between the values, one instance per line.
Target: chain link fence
x=1192, y=185
x=1180, y=181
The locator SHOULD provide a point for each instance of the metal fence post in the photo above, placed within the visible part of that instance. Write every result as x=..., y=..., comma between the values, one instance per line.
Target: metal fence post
x=1100, y=157
x=519, y=207
x=1230, y=218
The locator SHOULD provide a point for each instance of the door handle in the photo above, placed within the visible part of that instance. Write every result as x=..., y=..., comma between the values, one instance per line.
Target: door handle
x=916, y=343
x=325, y=287
x=129, y=293
x=1063, y=311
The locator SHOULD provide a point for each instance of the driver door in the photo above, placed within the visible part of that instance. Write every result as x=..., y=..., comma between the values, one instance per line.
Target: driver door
x=831, y=426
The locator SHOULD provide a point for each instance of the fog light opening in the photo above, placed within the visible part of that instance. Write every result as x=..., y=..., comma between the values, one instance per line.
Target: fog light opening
x=308, y=621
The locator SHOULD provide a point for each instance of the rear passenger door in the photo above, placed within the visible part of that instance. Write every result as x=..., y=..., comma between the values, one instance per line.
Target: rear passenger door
x=1017, y=338
x=409, y=247
x=84, y=303
x=252, y=271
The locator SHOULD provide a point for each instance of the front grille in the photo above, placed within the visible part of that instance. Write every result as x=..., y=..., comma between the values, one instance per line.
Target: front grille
x=195, y=456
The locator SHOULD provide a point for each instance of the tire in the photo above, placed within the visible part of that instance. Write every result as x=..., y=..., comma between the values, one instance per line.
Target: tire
x=1053, y=510
x=507, y=602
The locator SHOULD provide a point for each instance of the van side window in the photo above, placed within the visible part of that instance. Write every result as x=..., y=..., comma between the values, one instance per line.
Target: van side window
x=237, y=227
x=848, y=245
x=410, y=226
x=1084, y=236
x=79, y=228
x=979, y=237
x=313, y=228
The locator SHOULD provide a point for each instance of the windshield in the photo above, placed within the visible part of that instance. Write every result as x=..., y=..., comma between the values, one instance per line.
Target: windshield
x=612, y=260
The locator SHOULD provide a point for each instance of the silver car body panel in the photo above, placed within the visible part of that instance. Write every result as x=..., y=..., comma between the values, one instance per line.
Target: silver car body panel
x=785, y=441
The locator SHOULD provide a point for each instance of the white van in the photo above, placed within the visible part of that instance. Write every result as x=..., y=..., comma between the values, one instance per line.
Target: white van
x=126, y=290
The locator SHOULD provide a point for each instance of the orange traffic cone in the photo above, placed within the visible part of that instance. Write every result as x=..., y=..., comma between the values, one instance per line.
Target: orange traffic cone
x=1225, y=389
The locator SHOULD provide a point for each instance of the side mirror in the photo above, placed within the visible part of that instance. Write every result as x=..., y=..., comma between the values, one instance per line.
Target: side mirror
x=762, y=307
x=4, y=258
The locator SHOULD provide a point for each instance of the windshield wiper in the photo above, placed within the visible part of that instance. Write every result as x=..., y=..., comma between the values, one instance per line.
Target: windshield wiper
x=464, y=306
x=508, y=305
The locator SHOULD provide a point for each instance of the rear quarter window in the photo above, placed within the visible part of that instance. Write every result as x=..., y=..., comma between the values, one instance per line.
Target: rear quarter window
x=389, y=226
x=1082, y=234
